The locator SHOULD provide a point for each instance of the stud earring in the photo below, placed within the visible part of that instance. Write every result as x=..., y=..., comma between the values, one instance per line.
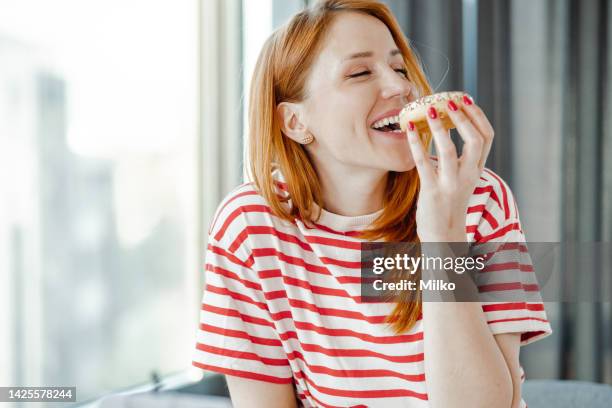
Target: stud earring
x=307, y=139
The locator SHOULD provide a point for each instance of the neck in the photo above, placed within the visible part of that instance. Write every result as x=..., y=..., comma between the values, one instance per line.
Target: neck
x=352, y=191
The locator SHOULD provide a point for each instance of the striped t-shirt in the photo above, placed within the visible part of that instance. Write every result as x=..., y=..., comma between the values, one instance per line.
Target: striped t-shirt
x=281, y=302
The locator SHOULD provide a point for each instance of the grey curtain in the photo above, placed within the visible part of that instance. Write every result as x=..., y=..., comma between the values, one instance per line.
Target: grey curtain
x=540, y=70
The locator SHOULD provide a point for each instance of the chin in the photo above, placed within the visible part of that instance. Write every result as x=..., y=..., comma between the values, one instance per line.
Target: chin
x=403, y=169
x=399, y=166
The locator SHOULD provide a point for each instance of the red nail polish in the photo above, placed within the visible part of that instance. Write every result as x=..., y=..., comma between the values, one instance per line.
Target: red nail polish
x=432, y=112
x=411, y=126
x=452, y=106
x=467, y=100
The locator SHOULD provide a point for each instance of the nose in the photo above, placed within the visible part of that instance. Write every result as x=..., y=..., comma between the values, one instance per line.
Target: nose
x=394, y=84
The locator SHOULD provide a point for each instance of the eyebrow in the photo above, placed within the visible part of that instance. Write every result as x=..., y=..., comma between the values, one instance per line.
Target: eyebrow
x=368, y=54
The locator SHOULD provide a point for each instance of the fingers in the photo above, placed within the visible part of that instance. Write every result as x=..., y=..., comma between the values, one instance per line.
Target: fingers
x=421, y=157
x=480, y=122
x=473, y=141
x=447, y=153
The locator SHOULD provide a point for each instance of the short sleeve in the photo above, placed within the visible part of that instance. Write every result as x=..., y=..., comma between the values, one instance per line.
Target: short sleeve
x=508, y=285
x=236, y=334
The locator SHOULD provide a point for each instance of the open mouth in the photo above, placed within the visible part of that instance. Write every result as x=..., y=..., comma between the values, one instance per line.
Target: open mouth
x=390, y=124
x=389, y=128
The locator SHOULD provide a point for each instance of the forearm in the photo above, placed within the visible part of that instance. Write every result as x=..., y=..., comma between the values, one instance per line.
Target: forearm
x=463, y=364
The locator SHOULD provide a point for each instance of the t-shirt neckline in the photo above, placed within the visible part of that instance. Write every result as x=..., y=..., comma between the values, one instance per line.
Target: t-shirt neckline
x=344, y=222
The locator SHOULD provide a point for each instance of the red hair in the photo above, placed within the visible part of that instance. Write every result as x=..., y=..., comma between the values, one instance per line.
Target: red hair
x=280, y=75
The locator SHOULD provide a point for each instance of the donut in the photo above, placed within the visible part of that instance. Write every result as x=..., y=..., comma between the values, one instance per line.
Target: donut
x=416, y=111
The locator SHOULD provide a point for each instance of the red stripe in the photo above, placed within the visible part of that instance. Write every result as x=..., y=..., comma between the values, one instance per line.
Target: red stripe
x=405, y=338
x=473, y=229
x=359, y=353
x=368, y=373
x=282, y=185
x=240, y=210
x=360, y=394
x=339, y=262
x=504, y=192
x=220, y=210
x=232, y=275
x=492, y=194
x=320, y=290
x=231, y=257
x=327, y=311
x=517, y=319
x=292, y=260
x=267, y=230
x=508, y=286
x=506, y=246
x=536, y=307
x=244, y=355
x=324, y=405
x=283, y=236
x=319, y=403
x=263, y=252
x=336, y=243
x=244, y=374
x=500, y=233
x=485, y=214
x=350, y=233
x=236, y=296
x=240, y=334
x=503, y=266
x=234, y=313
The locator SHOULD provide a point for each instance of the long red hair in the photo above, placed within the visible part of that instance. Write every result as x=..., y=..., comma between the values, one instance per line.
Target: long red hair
x=280, y=75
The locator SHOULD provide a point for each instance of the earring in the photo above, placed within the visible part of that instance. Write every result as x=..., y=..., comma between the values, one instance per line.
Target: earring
x=307, y=139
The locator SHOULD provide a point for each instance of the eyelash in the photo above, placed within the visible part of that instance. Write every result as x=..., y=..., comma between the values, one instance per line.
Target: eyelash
x=402, y=70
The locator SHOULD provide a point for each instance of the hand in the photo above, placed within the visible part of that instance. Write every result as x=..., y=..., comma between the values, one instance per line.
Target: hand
x=445, y=191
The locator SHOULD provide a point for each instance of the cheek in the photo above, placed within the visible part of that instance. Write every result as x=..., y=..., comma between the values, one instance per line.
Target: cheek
x=339, y=117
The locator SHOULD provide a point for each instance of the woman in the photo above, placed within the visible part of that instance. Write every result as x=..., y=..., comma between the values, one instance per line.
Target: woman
x=281, y=314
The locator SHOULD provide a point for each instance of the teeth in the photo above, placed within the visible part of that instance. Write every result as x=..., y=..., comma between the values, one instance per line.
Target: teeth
x=386, y=121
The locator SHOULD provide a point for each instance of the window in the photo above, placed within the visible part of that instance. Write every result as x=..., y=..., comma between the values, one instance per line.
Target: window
x=99, y=251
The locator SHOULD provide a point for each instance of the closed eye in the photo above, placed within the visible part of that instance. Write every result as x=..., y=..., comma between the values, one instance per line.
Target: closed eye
x=402, y=70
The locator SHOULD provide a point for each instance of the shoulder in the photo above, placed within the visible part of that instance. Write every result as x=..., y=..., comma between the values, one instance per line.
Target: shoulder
x=241, y=212
x=233, y=209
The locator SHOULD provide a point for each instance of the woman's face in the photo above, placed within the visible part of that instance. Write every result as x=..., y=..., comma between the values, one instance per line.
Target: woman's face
x=358, y=78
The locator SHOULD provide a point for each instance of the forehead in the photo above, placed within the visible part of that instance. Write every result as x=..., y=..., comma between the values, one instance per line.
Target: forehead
x=351, y=33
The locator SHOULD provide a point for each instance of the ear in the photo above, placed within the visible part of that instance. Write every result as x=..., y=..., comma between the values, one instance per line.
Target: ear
x=290, y=116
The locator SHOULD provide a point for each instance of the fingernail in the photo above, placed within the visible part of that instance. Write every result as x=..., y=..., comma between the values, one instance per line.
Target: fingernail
x=452, y=106
x=411, y=126
x=432, y=112
x=467, y=100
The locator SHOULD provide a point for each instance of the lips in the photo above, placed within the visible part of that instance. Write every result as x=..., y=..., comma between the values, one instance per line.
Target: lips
x=392, y=112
